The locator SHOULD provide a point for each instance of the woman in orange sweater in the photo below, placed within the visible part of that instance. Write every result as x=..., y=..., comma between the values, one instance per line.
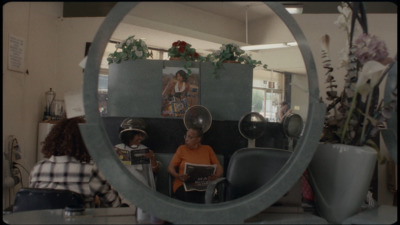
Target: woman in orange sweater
x=196, y=153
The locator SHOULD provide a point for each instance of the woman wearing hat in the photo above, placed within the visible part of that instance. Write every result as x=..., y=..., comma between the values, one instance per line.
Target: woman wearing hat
x=139, y=159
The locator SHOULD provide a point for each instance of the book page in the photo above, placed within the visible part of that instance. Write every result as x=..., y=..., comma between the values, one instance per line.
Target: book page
x=138, y=156
x=124, y=156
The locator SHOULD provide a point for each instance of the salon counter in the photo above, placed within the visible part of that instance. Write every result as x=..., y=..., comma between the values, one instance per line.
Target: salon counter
x=90, y=216
x=380, y=215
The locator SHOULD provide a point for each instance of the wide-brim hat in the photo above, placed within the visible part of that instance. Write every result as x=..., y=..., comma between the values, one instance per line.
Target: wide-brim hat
x=133, y=124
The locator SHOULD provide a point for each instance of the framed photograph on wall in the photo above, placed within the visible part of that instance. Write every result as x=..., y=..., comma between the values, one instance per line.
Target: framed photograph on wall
x=179, y=90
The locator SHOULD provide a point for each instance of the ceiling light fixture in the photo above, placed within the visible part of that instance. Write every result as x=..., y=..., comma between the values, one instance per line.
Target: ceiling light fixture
x=294, y=9
x=269, y=46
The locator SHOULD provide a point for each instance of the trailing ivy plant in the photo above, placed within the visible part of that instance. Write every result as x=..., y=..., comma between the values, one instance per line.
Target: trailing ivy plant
x=231, y=53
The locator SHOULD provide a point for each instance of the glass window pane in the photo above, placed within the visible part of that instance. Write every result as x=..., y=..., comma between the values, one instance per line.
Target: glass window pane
x=258, y=101
x=272, y=101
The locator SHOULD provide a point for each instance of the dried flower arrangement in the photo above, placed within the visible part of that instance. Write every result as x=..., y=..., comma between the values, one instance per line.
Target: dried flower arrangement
x=355, y=116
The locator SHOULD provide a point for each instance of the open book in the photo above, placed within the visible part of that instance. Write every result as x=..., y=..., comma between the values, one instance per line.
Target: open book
x=132, y=157
x=198, y=176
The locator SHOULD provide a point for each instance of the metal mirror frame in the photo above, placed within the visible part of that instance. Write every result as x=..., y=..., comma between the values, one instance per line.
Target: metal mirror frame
x=162, y=206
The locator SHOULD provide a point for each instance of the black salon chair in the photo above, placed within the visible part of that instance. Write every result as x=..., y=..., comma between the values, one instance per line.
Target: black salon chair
x=28, y=199
x=163, y=180
x=248, y=169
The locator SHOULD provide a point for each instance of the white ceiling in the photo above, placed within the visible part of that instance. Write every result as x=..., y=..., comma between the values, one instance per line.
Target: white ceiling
x=236, y=10
x=233, y=10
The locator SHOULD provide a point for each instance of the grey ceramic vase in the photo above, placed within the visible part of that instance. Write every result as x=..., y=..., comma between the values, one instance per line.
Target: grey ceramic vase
x=340, y=176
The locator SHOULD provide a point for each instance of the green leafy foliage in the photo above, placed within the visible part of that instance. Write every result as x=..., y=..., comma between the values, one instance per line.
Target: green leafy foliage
x=130, y=48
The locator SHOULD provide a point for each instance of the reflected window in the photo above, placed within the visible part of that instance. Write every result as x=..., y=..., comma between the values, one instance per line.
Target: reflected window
x=268, y=89
x=103, y=93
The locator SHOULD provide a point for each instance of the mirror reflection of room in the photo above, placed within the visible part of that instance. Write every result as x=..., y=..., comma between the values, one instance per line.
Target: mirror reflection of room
x=229, y=92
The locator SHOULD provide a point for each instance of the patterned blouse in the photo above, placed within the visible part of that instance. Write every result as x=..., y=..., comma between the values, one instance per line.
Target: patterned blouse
x=67, y=173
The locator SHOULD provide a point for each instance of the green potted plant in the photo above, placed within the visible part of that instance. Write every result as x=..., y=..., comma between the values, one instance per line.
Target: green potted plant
x=348, y=150
x=231, y=53
x=181, y=50
x=129, y=49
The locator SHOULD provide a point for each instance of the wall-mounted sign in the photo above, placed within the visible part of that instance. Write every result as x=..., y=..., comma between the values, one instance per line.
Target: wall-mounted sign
x=74, y=103
x=16, y=54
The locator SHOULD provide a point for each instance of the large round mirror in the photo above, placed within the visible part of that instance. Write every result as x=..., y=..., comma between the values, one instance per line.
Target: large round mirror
x=97, y=136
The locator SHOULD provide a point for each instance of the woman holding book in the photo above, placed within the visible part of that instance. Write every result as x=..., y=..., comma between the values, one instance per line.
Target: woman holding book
x=189, y=155
x=137, y=157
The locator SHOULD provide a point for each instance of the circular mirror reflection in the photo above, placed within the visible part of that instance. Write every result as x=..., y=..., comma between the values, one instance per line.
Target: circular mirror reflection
x=112, y=118
x=270, y=86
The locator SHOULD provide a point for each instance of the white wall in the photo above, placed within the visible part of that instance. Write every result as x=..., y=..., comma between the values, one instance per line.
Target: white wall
x=55, y=46
x=270, y=29
x=23, y=94
x=73, y=34
x=382, y=25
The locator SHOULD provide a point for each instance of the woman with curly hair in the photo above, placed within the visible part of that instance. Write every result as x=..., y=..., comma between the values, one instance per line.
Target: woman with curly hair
x=68, y=166
x=175, y=95
x=181, y=86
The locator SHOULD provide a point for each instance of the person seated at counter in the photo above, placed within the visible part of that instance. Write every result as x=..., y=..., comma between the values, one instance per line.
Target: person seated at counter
x=68, y=166
x=192, y=152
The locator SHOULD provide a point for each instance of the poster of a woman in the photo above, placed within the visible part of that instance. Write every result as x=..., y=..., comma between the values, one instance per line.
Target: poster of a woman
x=179, y=91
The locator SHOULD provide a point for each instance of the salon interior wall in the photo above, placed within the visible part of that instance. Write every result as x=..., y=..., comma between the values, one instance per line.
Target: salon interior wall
x=55, y=46
x=23, y=93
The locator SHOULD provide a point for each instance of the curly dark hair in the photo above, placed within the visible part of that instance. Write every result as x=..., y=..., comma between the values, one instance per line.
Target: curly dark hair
x=127, y=136
x=183, y=75
x=65, y=139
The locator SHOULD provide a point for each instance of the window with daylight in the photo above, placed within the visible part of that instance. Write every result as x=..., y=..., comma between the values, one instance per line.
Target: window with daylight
x=268, y=93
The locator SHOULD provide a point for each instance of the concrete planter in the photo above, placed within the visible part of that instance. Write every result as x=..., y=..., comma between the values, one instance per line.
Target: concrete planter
x=340, y=176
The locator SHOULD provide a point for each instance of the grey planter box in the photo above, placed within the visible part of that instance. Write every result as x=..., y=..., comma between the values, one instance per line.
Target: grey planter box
x=134, y=89
x=228, y=95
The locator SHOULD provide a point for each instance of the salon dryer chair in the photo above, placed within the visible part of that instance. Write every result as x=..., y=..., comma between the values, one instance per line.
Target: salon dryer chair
x=248, y=169
x=28, y=199
x=163, y=181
